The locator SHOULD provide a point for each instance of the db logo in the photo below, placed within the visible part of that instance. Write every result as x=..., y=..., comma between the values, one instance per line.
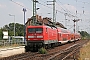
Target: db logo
x=35, y=36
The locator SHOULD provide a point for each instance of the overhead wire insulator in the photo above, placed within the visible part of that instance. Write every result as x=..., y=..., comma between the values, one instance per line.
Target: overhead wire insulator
x=83, y=11
x=76, y=11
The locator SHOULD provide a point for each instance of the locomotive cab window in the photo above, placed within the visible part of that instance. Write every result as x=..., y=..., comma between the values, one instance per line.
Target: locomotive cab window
x=39, y=30
x=31, y=30
x=35, y=30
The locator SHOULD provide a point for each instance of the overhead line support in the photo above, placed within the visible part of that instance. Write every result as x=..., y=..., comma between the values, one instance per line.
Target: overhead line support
x=53, y=10
x=34, y=12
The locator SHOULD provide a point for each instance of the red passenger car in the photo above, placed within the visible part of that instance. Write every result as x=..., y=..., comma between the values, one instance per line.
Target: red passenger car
x=63, y=35
x=77, y=36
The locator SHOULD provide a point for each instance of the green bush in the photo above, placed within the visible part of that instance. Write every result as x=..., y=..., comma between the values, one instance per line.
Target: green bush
x=42, y=51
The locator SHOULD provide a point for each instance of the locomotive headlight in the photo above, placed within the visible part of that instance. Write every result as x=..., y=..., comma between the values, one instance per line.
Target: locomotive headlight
x=39, y=36
x=30, y=36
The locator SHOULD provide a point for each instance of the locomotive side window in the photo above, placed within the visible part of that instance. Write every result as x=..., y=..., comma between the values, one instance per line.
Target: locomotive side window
x=64, y=31
x=35, y=30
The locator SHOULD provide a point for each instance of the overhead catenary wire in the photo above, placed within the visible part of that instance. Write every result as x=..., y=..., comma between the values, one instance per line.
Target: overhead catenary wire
x=20, y=5
x=61, y=6
x=83, y=2
x=64, y=7
x=29, y=0
x=83, y=5
x=50, y=8
x=66, y=10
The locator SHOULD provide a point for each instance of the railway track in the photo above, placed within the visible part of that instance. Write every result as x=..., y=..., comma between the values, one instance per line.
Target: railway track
x=19, y=56
x=65, y=53
x=57, y=53
x=68, y=52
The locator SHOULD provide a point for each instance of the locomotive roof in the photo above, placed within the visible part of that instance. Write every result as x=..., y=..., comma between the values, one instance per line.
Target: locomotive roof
x=41, y=26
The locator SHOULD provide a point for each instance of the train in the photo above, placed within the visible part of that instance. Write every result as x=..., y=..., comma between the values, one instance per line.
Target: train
x=47, y=36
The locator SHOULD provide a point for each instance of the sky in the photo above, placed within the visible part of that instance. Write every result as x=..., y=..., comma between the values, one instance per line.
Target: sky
x=15, y=7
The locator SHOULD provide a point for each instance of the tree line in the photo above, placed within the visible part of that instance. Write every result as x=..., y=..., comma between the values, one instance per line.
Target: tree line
x=19, y=30
x=84, y=35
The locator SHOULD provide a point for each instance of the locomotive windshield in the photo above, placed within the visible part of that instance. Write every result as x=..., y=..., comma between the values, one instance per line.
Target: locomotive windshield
x=35, y=30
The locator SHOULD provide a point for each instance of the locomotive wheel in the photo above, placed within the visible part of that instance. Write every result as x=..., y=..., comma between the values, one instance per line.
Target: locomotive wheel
x=26, y=49
x=59, y=44
x=52, y=45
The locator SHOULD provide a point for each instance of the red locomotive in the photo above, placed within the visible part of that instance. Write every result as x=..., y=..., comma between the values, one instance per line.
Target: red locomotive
x=46, y=36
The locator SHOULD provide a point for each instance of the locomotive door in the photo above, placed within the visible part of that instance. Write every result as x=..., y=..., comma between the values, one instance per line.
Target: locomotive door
x=59, y=37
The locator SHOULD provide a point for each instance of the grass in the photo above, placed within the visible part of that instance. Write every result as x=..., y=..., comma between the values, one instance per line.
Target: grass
x=85, y=52
x=42, y=51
